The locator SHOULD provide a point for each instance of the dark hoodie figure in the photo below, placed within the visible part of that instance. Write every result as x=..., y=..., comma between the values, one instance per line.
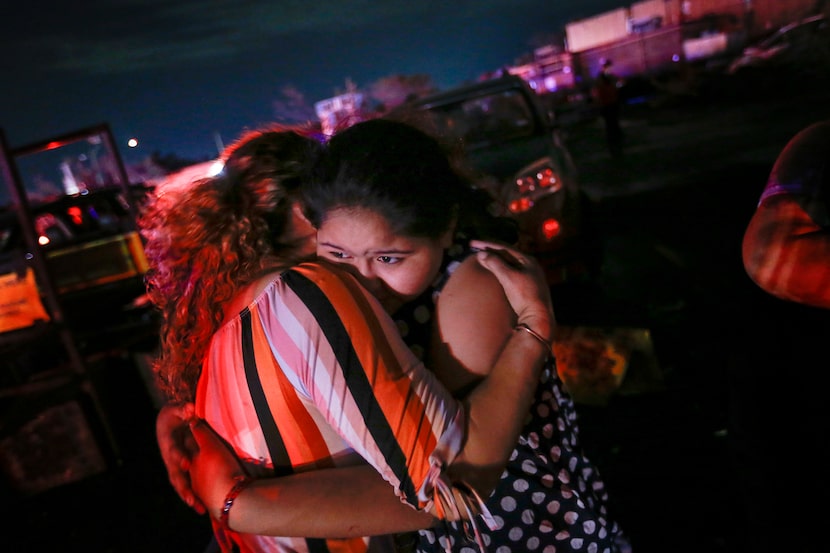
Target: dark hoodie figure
x=607, y=96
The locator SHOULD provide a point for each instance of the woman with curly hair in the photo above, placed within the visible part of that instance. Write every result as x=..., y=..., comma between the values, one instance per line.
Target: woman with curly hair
x=298, y=368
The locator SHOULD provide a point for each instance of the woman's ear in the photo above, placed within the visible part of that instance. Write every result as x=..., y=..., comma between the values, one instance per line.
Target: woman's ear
x=301, y=230
x=446, y=239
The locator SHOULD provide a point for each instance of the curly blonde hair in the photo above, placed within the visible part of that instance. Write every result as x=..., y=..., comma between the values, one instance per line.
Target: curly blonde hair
x=206, y=241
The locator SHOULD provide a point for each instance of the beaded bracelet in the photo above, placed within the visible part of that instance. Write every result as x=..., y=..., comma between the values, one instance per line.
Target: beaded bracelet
x=240, y=483
x=522, y=326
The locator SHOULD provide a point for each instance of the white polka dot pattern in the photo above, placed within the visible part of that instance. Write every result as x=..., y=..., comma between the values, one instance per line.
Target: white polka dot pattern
x=550, y=498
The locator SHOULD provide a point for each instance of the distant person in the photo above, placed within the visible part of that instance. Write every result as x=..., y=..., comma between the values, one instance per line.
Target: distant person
x=786, y=247
x=779, y=423
x=607, y=95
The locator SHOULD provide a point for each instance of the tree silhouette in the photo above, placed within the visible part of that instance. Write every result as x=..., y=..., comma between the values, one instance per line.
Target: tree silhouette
x=291, y=107
x=170, y=163
x=393, y=90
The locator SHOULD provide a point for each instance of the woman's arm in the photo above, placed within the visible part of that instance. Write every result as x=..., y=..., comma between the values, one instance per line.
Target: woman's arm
x=519, y=296
x=178, y=449
x=786, y=253
x=507, y=390
x=344, y=502
x=501, y=403
x=787, y=242
x=198, y=461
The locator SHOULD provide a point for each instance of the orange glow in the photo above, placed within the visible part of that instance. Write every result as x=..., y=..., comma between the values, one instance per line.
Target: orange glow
x=551, y=228
x=43, y=240
x=54, y=144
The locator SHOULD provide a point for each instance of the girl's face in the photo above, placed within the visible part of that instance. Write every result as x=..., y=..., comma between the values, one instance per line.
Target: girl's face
x=394, y=268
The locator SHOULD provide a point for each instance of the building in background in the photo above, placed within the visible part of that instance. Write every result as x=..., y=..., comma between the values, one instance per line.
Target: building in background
x=339, y=111
x=652, y=37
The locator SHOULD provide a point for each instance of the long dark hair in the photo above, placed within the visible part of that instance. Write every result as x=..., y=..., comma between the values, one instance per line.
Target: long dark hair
x=406, y=175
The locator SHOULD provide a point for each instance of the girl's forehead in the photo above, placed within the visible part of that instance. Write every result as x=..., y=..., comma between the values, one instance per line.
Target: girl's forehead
x=367, y=232
x=357, y=218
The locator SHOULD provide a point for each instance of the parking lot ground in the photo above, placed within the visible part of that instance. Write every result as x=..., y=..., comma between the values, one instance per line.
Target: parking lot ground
x=671, y=214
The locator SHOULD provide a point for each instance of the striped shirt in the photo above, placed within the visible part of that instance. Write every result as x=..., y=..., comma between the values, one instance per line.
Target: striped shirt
x=314, y=374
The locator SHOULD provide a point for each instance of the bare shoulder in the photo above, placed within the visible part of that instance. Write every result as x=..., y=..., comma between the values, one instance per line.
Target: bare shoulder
x=474, y=284
x=474, y=321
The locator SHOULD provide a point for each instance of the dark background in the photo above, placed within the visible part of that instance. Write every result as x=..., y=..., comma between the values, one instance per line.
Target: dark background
x=682, y=461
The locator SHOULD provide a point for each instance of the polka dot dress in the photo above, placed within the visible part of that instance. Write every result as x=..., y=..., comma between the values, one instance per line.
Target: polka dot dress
x=550, y=498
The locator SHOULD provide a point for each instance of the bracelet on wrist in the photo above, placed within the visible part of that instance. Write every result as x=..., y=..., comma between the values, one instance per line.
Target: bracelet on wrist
x=240, y=483
x=548, y=344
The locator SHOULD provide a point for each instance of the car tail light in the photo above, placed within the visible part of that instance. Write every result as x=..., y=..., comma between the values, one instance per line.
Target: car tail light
x=544, y=178
x=547, y=178
x=520, y=205
x=532, y=182
x=550, y=228
x=525, y=185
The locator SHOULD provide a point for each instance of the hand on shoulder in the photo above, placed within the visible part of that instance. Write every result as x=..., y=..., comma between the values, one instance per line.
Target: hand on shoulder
x=523, y=281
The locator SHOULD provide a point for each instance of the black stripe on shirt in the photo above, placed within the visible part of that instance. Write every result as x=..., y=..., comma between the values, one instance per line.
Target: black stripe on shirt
x=276, y=445
x=354, y=374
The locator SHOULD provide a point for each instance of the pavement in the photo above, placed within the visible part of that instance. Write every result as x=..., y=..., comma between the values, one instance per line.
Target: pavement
x=669, y=215
x=683, y=460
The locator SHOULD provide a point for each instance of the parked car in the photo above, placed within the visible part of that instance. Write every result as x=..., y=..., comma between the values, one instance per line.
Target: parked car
x=94, y=255
x=514, y=144
x=803, y=43
x=80, y=215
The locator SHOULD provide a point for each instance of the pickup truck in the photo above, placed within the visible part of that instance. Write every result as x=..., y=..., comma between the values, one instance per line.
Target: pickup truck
x=513, y=142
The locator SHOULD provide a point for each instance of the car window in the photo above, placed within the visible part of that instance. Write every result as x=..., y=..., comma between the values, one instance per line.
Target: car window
x=492, y=118
x=78, y=166
x=83, y=218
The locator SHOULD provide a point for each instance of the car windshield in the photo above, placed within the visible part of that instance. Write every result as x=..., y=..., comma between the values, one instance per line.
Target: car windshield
x=485, y=119
x=64, y=168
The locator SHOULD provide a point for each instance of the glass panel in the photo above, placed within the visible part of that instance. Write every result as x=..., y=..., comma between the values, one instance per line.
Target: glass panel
x=71, y=167
x=491, y=119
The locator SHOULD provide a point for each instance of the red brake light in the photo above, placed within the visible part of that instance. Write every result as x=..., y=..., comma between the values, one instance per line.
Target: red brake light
x=546, y=178
x=76, y=215
x=521, y=205
x=526, y=185
x=550, y=228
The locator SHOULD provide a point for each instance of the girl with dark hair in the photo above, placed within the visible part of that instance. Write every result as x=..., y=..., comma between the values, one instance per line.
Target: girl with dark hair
x=298, y=369
x=389, y=206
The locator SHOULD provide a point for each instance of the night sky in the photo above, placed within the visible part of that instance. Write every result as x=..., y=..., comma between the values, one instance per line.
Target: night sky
x=180, y=74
